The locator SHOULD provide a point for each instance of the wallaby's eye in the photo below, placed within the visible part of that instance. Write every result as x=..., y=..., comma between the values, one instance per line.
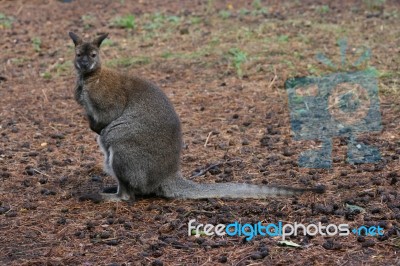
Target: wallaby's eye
x=78, y=54
x=93, y=55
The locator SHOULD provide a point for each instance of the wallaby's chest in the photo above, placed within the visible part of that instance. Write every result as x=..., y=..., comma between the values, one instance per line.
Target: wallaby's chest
x=83, y=97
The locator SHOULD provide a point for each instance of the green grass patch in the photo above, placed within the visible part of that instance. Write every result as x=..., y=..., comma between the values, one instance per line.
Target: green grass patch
x=107, y=42
x=195, y=20
x=244, y=12
x=225, y=14
x=324, y=9
x=258, y=8
x=5, y=21
x=237, y=58
x=62, y=68
x=128, y=62
x=387, y=74
x=37, y=42
x=173, y=19
x=289, y=63
x=20, y=61
x=374, y=4
x=215, y=41
x=257, y=4
x=283, y=38
x=88, y=21
x=58, y=69
x=156, y=21
x=126, y=22
x=191, y=55
x=167, y=55
x=46, y=75
x=313, y=70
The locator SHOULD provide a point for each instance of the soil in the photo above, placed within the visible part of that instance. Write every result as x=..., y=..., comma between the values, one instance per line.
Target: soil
x=236, y=128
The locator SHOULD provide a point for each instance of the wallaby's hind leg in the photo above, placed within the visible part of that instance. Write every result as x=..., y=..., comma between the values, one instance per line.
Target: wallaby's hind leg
x=122, y=192
x=108, y=157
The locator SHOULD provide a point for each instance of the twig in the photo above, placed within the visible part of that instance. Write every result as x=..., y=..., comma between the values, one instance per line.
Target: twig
x=205, y=170
x=273, y=80
x=208, y=138
x=20, y=9
x=202, y=172
x=197, y=212
x=45, y=96
x=244, y=258
x=39, y=172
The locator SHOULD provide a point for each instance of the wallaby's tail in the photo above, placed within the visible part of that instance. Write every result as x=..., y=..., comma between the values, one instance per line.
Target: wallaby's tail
x=186, y=189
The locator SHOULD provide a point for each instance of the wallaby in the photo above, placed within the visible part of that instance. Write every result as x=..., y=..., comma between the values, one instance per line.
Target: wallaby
x=139, y=133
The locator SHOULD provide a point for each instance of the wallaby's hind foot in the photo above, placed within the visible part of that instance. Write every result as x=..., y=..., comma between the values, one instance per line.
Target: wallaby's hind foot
x=122, y=194
x=110, y=190
x=115, y=197
x=110, y=194
x=107, y=197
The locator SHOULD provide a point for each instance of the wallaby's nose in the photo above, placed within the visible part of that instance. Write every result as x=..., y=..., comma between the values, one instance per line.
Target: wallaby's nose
x=84, y=62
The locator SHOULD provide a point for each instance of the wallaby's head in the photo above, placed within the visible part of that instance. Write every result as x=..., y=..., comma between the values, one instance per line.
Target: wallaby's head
x=87, y=56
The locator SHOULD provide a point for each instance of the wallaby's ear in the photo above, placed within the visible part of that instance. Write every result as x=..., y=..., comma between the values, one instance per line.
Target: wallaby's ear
x=97, y=41
x=75, y=38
